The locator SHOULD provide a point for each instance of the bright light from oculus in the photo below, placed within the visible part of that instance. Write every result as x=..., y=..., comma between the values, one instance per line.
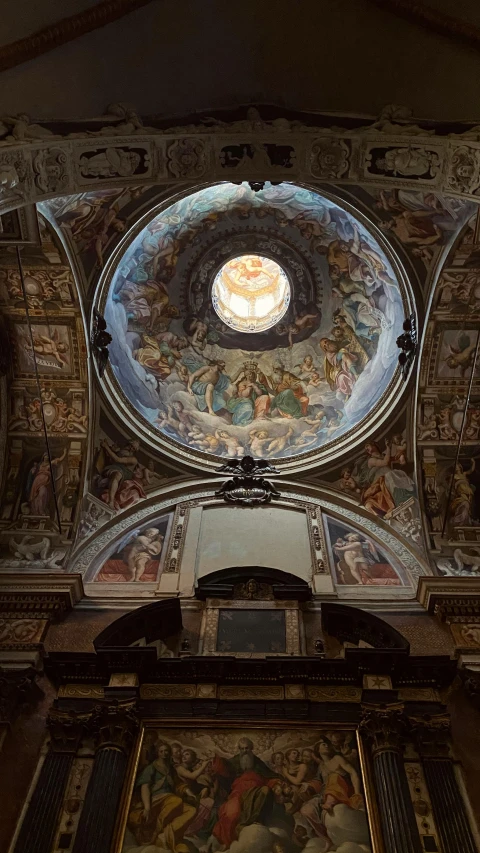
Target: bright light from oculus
x=251, y=293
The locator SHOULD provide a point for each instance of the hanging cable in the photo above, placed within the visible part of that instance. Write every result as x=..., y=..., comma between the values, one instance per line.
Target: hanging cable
x=45, y=431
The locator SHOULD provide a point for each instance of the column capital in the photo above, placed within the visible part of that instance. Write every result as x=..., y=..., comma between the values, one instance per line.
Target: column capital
x=66, y=729
x=432, y=735
x=385, y=726
x=115, y=725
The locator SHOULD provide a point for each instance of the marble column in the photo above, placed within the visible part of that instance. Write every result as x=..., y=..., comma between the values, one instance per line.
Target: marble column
x=385, y=729
x=433, y=743
x=37, y=833
x=114, y=727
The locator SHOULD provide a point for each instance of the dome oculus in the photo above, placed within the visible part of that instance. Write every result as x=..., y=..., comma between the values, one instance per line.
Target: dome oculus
x=251, y=293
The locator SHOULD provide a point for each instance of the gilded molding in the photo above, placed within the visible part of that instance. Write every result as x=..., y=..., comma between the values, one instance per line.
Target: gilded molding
x=251, y=692
x=81, y=691
x=206, y=691
x=295, y=691
x=316, y=536
x=334, y=694
x=418, y=694
x=123, y=679
x=178, y=534
x=168, y=691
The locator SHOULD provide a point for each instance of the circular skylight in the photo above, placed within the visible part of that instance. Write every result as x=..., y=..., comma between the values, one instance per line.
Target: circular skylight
x=251, y=293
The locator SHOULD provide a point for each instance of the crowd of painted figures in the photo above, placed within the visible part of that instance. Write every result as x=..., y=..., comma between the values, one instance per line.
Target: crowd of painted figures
x=189, y=799
x=208, y=395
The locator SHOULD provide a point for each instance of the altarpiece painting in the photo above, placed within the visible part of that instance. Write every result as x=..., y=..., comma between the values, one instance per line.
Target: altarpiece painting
x=247, y=790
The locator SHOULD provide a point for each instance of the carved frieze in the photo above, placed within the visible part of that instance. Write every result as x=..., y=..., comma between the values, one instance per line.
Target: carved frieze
x=334, y=694
x=168, y=691
x=36, y=162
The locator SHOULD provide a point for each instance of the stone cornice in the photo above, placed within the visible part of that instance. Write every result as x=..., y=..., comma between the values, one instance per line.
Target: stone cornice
x=450, y=599
x=39, y=595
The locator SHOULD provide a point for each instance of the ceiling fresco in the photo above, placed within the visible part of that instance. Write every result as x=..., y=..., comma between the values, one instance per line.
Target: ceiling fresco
x=45, y=356
x=285, y=392
x=448, y=415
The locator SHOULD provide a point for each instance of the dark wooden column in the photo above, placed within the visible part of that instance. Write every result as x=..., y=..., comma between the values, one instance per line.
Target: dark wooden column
x=114, y=726
x=385, y=730
x=39, y=826
x=433, y=743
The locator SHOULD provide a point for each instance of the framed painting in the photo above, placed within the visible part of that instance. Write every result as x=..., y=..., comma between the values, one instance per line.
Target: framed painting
x=247, y=789
x=251, y=628
x=243, y=631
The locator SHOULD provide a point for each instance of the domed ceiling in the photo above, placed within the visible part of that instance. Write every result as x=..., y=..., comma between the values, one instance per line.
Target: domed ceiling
x=259, y=323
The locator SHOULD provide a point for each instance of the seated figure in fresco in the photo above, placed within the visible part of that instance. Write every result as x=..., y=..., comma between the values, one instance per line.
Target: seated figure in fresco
x=140, y=550
x=360, y=562
x=122, y=478
x=340, y=369
x=384, y=487
x=253, y=791
x=250, y=399
x=208, y=384
x=159, y=353
x=159, y=810
x=290, y=399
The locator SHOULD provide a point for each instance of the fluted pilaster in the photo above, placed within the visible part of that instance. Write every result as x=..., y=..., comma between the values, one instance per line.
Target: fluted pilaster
x=433, y=742
x=38, y=829
x=114, y=727
x=385, y=730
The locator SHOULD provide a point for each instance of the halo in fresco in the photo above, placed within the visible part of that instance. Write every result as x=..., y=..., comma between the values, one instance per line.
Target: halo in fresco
x=251, y=293
x=213, y=383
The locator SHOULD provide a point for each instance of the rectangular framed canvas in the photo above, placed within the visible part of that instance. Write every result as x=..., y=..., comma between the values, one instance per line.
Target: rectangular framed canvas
x=242, y=628
x=242, y=788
